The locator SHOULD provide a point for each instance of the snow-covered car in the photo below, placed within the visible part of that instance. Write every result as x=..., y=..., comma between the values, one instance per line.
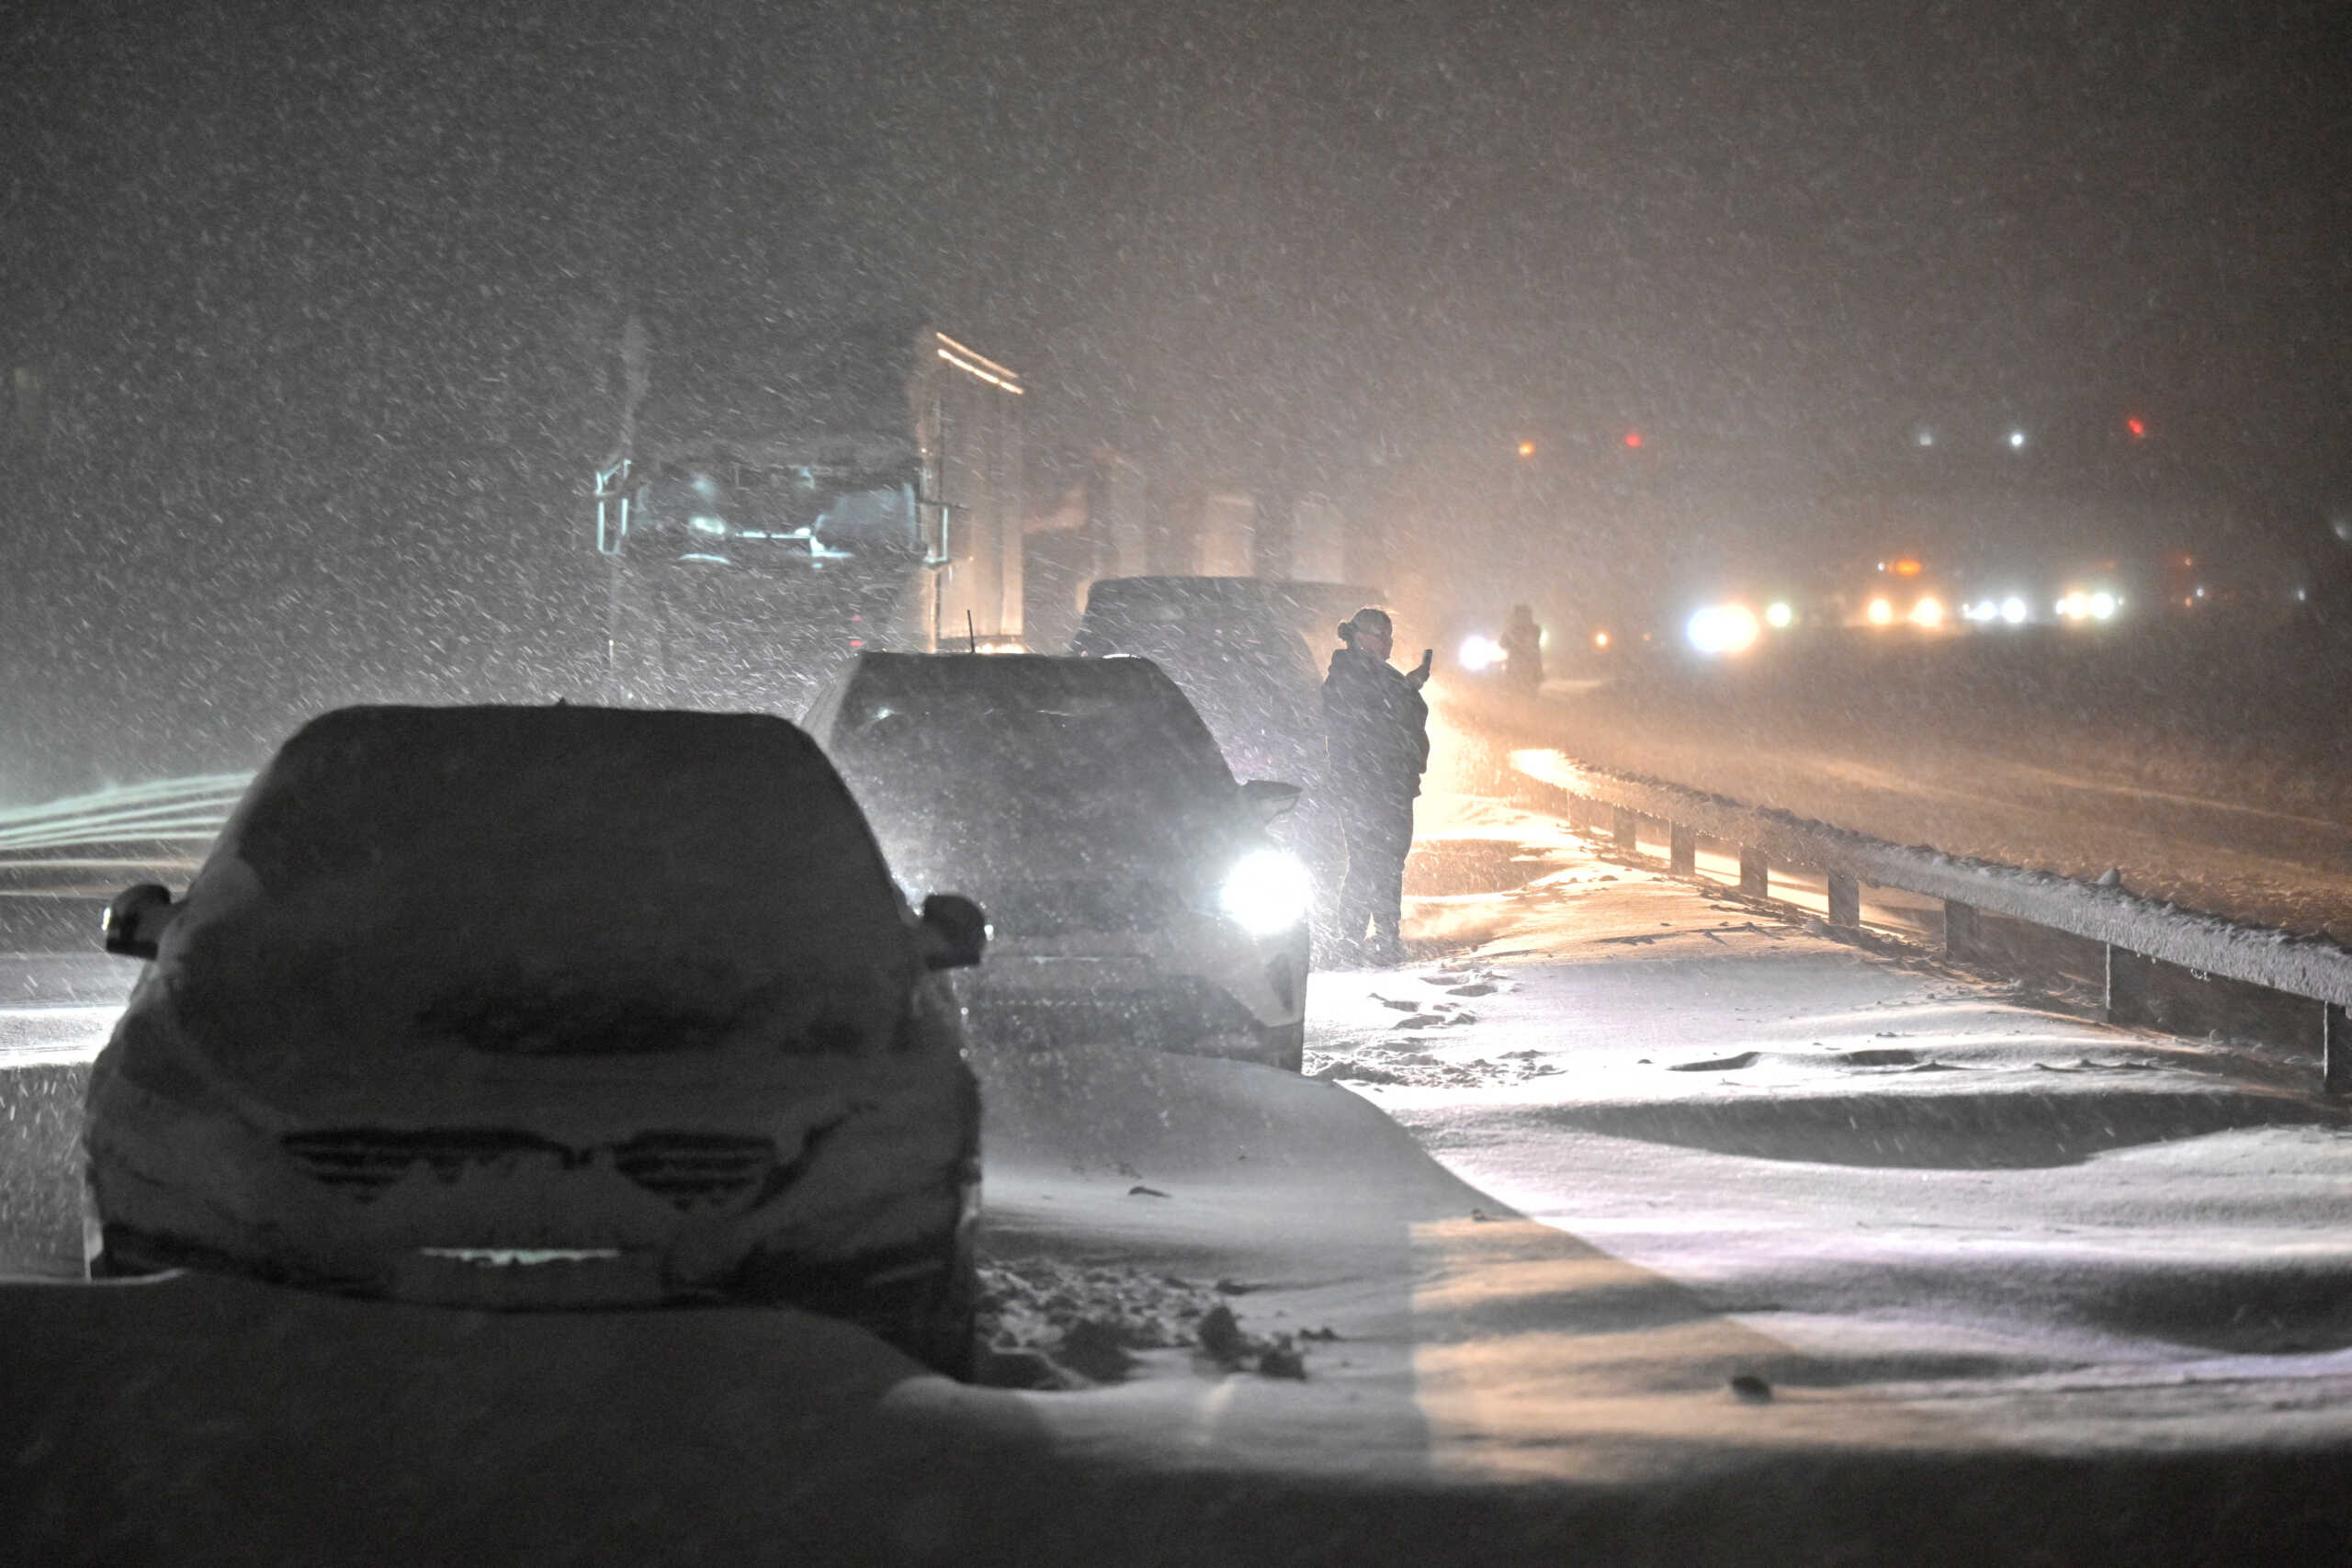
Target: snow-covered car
x=1135, y=895
x=1248, y=653
x=1235, y=646
x=549, y=1007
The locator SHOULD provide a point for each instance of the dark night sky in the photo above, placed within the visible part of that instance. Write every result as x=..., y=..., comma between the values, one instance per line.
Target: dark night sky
x=323, y=299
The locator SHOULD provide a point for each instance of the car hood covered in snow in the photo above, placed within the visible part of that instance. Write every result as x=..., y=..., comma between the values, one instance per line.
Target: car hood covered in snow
x=537, y=882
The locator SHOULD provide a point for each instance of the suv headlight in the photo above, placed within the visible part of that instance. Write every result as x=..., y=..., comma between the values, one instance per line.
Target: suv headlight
x=1267, y=891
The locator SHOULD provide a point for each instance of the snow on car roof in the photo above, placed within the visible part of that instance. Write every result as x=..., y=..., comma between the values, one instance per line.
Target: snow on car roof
x=998, y=761
x=1153, y=597
x=1006, y=697
x=1014, y=673
x=552, y=841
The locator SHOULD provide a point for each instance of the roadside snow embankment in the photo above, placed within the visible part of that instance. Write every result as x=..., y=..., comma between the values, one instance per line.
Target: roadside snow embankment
x=1901, y=1168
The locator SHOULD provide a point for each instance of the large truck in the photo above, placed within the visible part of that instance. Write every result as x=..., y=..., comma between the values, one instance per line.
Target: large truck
x=865, y=492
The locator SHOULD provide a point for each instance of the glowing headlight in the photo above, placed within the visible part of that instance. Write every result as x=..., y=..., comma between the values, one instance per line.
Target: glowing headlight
x=1778, y=614
x=1882, y=613
x=1267, y=891
x=2092, y=604
x=1480, y=653
x=1927, y=611
x=1723, y=628
x=2013, y=610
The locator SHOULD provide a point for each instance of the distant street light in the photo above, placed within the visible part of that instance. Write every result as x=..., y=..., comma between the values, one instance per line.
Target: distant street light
x=2017, y=439
x=1527, y=448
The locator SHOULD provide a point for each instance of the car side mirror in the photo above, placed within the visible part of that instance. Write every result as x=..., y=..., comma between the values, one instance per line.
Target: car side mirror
x=1272, y=801
x=954, y=932
x=136, y=919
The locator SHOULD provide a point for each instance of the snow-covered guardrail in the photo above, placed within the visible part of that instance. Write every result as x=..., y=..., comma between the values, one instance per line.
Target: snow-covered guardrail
x=2133, y=929
x=185, y=814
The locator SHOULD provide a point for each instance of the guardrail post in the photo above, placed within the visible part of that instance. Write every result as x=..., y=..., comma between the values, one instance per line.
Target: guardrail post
x=1845, y=899
x=1963, y=932
x=2126, y=989
x=2141, y=991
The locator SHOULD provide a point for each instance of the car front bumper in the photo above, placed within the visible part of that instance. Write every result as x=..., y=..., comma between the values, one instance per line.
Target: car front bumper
x=872, y=1172
x=1189, y=984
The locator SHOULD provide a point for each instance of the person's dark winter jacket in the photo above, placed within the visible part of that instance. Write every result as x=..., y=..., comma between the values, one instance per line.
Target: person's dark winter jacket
x=1375, y=728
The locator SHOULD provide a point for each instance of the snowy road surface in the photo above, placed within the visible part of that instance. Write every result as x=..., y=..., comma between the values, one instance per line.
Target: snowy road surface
x=1884, y=1164
x=2199, y=825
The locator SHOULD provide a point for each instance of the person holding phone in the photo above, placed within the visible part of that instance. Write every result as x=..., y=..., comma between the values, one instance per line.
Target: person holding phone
x=1376, y=730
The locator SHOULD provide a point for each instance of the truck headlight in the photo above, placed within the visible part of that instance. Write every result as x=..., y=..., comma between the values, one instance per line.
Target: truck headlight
x=1267, y=891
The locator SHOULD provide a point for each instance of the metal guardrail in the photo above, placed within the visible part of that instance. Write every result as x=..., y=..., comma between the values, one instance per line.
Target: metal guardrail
x=183, y=811
x=2131, y=928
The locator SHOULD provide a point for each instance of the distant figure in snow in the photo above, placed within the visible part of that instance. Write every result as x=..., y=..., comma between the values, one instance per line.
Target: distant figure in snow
x=1376, y=730
x=1522, y=642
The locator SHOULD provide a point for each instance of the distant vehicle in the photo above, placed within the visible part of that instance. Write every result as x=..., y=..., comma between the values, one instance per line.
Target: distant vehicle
x=2214, y=587
x=1733, y=616
x=858, y=492
x=1510, y=654
x=1136, y=894
x=1248, y=652
x=1700, y=610
x=549, y=1008
x=1900, y=593
x=1589, y=640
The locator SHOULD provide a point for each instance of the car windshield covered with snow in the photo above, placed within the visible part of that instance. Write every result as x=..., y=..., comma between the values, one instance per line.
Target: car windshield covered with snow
x=1243, y=649
x=1005, y=759
x=549, y=1007
x=1135, y=895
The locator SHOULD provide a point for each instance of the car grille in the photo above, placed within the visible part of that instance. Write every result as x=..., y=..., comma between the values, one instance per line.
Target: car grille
x=691, y=1171
x=698, y=1170
x=362, y=1163
x=1074, y=906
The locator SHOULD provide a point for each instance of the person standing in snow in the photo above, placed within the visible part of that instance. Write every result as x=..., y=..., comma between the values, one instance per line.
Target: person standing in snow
x=1522, y=645
x=1375, y=729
